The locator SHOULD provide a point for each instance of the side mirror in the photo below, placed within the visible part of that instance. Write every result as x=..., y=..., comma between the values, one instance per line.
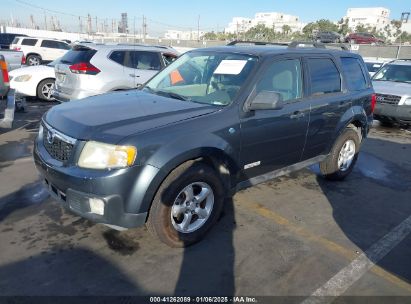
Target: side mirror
x=267, y=100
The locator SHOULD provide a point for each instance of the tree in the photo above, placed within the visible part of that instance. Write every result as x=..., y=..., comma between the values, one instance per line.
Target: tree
x=360, y=28
x=325, y=25
x=286, y=29
x=343, y=26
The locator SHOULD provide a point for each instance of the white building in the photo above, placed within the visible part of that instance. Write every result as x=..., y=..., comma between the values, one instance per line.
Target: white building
x=238, y=25
x=268, y=19
x=183, y=35
x=377, y=17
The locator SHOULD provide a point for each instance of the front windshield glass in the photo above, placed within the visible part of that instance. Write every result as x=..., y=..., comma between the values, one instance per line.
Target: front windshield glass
x=394, y=72
x=204, y=77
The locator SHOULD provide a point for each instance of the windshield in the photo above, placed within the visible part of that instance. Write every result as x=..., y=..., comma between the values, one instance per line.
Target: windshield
x=373, y=66
x=394, y=72
x=212, y=78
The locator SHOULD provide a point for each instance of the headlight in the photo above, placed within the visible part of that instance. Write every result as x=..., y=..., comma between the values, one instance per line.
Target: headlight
x=408, y=101
x=97, y=155
x=22, y=78
x=40, y=129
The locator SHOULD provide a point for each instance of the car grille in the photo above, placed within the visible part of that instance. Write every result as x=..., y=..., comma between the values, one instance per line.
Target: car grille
x=56, y=146
x=388, y=99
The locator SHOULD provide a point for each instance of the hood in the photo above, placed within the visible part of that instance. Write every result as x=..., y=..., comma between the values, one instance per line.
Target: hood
x=392, y=88
x=30, y=70
x=112, y=117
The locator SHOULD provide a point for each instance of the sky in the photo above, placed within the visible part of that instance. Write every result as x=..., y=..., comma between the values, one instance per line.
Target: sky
x=184, y=15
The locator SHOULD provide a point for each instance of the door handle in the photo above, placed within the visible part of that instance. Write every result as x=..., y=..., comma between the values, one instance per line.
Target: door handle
x=132, y=75
x=297, y=114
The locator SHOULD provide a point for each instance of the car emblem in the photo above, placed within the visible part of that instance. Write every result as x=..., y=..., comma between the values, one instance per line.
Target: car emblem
x=50, y=137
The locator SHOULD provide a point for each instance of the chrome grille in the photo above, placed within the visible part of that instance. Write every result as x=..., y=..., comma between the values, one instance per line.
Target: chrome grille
x=58, y=148
x=388, y=99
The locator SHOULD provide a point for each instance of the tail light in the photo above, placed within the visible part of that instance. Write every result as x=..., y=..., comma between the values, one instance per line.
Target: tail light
x=16, y=48
x=23, y=59
x=373, y=102
x=4, y=72
x=84, y=68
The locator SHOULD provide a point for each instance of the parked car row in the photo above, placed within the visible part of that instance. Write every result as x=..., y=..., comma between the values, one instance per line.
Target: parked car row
x=353, y=38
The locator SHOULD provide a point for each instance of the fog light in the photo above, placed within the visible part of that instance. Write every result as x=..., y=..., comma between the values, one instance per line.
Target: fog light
x=96, y=206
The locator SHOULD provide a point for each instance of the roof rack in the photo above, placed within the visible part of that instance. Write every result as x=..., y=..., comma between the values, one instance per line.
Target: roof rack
x=235, y=42
x=296, y=44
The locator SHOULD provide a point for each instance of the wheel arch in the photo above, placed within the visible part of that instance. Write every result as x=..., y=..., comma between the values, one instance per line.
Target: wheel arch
x=224, y=166
x=38, y=85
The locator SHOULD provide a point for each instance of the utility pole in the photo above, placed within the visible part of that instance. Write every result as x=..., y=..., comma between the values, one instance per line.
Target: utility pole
x=45, y=21
x=144, y=27
x=198, y=28
x=80, y=24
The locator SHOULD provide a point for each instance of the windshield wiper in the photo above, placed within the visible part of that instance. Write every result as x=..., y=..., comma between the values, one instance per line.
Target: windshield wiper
x=168, y=94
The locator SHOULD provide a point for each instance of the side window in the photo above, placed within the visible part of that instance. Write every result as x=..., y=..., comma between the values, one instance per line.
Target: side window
x=283, y=77
x=49, y=44
x=30, y=42
x=169, y=58
x=324, y=75
x=62, y=46
x=145, y=60
x=353, y=74
x=118, y=56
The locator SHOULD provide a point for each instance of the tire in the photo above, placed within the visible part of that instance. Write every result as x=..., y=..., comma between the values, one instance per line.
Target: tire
x=173, y=217
x=386, y=123
x=44, y=89
x=33, y=60
x=336, y=166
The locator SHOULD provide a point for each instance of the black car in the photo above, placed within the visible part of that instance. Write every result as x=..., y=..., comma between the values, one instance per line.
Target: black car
x=329, y=37
x=169, y=154
x=7, y=38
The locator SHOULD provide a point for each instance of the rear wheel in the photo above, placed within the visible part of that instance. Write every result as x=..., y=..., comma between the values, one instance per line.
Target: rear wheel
x=340, y=162
x=186, y=205
x=44, y=89
x=33, y=60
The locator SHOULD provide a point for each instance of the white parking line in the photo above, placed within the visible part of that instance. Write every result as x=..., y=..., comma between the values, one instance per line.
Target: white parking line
x=338, y=284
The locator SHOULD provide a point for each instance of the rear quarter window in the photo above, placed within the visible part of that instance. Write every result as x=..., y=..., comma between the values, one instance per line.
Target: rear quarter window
x=30, y=42
x=353, y=74
x=324, y=76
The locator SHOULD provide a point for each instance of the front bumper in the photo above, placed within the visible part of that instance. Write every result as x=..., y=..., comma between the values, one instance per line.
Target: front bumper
x=400, y=113
x=124, y=192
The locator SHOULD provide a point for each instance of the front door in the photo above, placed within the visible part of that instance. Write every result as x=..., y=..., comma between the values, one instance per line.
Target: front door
x=275, y=138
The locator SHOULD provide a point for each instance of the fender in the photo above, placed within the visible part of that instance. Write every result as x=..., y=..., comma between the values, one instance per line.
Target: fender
x=354, y=115
x=218, y=153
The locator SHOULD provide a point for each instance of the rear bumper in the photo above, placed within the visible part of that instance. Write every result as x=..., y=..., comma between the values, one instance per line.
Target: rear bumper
x=398, y=113
x=75, y=94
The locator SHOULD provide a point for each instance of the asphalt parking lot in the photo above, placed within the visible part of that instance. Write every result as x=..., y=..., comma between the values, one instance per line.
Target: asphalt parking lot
x=293, y=236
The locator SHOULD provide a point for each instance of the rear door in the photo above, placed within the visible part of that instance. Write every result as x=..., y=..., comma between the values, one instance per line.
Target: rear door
x=327, y=100
x=143, y=65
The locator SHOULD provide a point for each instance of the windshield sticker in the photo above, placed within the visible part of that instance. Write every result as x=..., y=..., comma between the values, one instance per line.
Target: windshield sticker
x=175, y=77
x=230, y=67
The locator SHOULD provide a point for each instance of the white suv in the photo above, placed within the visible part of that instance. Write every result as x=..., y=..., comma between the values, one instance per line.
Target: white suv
x=94, y=69
x=39, y=50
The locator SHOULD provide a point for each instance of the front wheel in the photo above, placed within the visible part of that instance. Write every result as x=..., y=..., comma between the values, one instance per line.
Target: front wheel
x=340, y=162
x=45, y=88
x=186, y=206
